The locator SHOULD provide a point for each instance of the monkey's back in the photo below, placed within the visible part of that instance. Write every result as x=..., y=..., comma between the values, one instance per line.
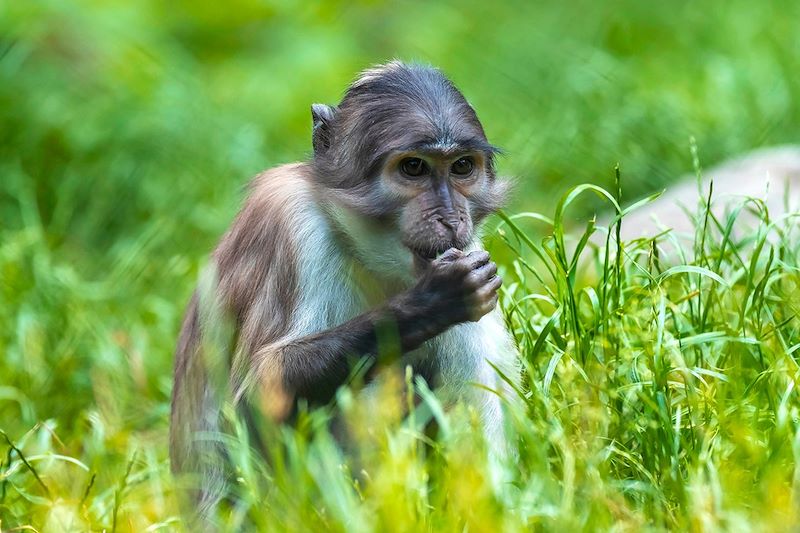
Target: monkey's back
x=271, y=279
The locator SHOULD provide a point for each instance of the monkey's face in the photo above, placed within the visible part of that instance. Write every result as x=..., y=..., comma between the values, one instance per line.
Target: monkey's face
x=407, y=153
x=435, y=190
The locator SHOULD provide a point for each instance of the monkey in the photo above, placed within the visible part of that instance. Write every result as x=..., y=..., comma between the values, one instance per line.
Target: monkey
x=378, y=230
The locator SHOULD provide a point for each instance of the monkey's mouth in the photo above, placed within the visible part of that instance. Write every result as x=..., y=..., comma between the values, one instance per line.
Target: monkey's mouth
x=425, y=252
x=428, y=254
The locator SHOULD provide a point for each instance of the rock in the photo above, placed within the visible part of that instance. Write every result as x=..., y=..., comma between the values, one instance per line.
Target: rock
x=769, y=174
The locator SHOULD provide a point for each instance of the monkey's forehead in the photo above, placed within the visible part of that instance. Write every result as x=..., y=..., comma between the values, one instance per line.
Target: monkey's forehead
x=427, y=138
x=435, y=132
x=448, y=145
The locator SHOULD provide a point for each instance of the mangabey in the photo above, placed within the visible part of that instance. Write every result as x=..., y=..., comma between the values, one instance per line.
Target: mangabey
x=376, y=232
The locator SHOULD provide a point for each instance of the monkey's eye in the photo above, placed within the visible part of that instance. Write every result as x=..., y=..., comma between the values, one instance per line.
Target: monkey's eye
x=413, y=167
x=462, y=167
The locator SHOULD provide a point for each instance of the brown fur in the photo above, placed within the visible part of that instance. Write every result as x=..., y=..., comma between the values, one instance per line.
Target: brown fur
x=254, y=292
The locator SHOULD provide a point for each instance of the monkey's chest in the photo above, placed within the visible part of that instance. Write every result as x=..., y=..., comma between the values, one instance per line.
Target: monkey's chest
x=369, y=291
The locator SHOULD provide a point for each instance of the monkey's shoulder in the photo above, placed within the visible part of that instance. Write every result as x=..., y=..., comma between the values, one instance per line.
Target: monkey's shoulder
x=275, y=212
x=281, y=184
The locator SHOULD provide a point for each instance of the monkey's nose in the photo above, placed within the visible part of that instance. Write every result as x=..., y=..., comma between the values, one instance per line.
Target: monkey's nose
x=452, y=222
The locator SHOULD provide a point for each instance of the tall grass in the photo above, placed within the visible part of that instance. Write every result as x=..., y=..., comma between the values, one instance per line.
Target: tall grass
x=656, y=394
x=665, y=390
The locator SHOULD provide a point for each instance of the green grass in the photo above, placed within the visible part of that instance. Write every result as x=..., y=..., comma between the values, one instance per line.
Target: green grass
x=656, y=394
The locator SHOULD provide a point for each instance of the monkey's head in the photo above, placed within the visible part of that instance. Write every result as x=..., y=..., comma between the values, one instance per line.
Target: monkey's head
x=405, y=149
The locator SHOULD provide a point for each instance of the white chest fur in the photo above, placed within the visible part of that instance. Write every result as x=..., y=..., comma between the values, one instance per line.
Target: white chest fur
x=336, y=286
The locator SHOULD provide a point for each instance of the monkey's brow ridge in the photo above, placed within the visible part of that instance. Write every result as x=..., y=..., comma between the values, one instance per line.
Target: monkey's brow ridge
x=461, y=145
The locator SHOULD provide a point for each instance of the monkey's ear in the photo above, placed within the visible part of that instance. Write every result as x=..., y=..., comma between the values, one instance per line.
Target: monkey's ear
x=323, y=116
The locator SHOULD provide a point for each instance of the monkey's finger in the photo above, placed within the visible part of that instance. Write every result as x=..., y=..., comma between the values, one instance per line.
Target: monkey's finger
x=476, y=259
x=477, y=278
x=491, y=286
x=484, y=308
x=450, y=255
x=486, y=292
x=491, y=304
x=485, y=272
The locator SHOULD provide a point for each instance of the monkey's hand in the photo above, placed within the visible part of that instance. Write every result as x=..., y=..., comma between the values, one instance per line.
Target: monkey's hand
x=459, y=287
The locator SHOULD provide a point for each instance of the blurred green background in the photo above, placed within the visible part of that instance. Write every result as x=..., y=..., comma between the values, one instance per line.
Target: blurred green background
x=128, y=130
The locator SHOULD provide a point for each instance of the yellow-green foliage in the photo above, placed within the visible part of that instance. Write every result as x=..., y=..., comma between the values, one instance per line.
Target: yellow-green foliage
x=656, y=395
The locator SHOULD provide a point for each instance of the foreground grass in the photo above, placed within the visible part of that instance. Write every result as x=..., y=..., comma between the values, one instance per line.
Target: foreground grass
x=657, y=394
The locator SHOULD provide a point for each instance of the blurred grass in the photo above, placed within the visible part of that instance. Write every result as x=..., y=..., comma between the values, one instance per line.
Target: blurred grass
x=127, y=131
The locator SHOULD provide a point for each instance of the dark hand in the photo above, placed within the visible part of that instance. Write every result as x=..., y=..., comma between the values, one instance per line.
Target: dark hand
x=459, y=287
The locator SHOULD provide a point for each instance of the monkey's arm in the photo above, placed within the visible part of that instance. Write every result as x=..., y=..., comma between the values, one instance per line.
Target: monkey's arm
x=458, y=288
x=316, y=365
